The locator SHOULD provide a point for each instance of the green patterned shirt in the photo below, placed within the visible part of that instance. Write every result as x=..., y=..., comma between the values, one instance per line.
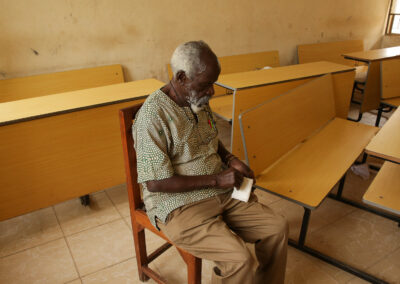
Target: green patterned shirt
x=168, y=141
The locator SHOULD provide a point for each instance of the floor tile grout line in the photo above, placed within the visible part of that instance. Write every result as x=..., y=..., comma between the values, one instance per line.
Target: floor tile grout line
x=108, y=266
x=112, y=202
x=333, y=222
x=383, y=257
x=73, y=280
x=35, y=246
x=66, y=242
x=96, y=226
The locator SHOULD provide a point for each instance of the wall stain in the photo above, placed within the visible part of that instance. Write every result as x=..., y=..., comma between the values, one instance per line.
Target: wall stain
x=3, y=74
x=322, y=34
x=35, y=52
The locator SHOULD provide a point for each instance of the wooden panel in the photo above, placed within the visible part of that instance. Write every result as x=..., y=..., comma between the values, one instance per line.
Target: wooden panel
x=390, y=78
x=342, y=89
x=386, y=144
x=46, y=84
x=248, y=98
x=279, y=74
x=384, y=191
x=278, y=125
x=308, y=173
x=49, y=160
x=64, y=102
x=375, y=54
x=244, y=62
x=248, y=62
x=222, y=106
x=329, y=51
x=372, y=90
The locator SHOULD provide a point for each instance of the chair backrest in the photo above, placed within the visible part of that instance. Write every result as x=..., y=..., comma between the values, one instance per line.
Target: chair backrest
x=59, y=82
x=390, y=74
x=329, y=51
x=126, y=117
x=273, y=128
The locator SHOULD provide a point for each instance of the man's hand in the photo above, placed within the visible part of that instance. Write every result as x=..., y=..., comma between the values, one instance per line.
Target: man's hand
x=242, y=167
x=229, y=178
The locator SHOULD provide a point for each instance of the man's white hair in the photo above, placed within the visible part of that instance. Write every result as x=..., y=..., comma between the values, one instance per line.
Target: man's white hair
x=186, y=57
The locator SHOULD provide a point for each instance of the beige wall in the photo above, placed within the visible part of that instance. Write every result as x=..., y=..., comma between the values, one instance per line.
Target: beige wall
x=41, y=36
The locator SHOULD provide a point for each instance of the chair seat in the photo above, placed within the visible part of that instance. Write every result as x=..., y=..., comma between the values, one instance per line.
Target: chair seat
x=361, y=74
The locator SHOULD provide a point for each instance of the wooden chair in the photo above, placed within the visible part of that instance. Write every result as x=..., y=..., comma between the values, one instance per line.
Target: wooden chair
x=139, y=218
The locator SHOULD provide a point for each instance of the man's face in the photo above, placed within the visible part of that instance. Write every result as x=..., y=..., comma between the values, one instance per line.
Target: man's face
x=201, y=88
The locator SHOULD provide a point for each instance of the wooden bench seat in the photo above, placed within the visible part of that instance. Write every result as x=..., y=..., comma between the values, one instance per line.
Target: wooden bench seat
x=298, y=151
x=386, y=144
x=384, y=191
x=309, y=171
x=59, y=82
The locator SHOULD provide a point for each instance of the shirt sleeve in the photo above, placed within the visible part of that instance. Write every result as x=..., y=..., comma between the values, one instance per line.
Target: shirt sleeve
x=151, y=144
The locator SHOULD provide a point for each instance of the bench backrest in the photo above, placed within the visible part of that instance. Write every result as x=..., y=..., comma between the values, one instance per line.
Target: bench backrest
x=273, y=128
x=53, y=83
x=390, y=72
x=245, y=62
x=329, y=51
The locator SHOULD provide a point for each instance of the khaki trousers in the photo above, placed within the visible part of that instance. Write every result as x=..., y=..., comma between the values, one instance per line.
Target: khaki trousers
x=217, y=228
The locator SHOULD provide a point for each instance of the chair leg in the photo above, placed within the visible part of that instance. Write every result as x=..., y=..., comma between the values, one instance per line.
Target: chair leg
x=193, y=266
x=140, y=249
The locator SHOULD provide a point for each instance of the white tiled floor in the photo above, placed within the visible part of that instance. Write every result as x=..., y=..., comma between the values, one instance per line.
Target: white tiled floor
x=69, y=243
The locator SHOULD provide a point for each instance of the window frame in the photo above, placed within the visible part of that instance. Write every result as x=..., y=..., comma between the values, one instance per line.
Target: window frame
x=390, y=20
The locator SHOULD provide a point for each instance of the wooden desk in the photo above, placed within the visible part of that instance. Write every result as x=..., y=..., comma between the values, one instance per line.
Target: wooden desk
x=386, y=144
x=254, y=87
x=372, y=91
x=384, y=191
x=63, y=146
x=299, y=151
x=368, y=56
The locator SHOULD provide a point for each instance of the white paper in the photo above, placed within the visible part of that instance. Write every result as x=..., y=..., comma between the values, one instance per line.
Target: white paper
x=361, y=170
x=243, y=193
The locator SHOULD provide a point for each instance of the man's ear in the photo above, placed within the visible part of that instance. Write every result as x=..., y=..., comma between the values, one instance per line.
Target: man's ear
x=180, y=76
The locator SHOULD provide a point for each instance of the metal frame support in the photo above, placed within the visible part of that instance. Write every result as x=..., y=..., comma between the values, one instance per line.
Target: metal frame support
x=300, y=245
x=85, y=200
x=304, y=227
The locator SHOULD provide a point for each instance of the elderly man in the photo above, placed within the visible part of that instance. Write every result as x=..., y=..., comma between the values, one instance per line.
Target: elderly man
x=187, y=177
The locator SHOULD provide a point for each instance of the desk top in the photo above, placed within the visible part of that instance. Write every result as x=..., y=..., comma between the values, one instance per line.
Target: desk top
x=386, y=144
x=33, y=108
x=275, y=75
x=384, y=190
x=375, y=54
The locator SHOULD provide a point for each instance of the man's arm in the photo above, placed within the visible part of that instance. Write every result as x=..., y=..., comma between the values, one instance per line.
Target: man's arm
x=234, y=162
x=225, y=179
